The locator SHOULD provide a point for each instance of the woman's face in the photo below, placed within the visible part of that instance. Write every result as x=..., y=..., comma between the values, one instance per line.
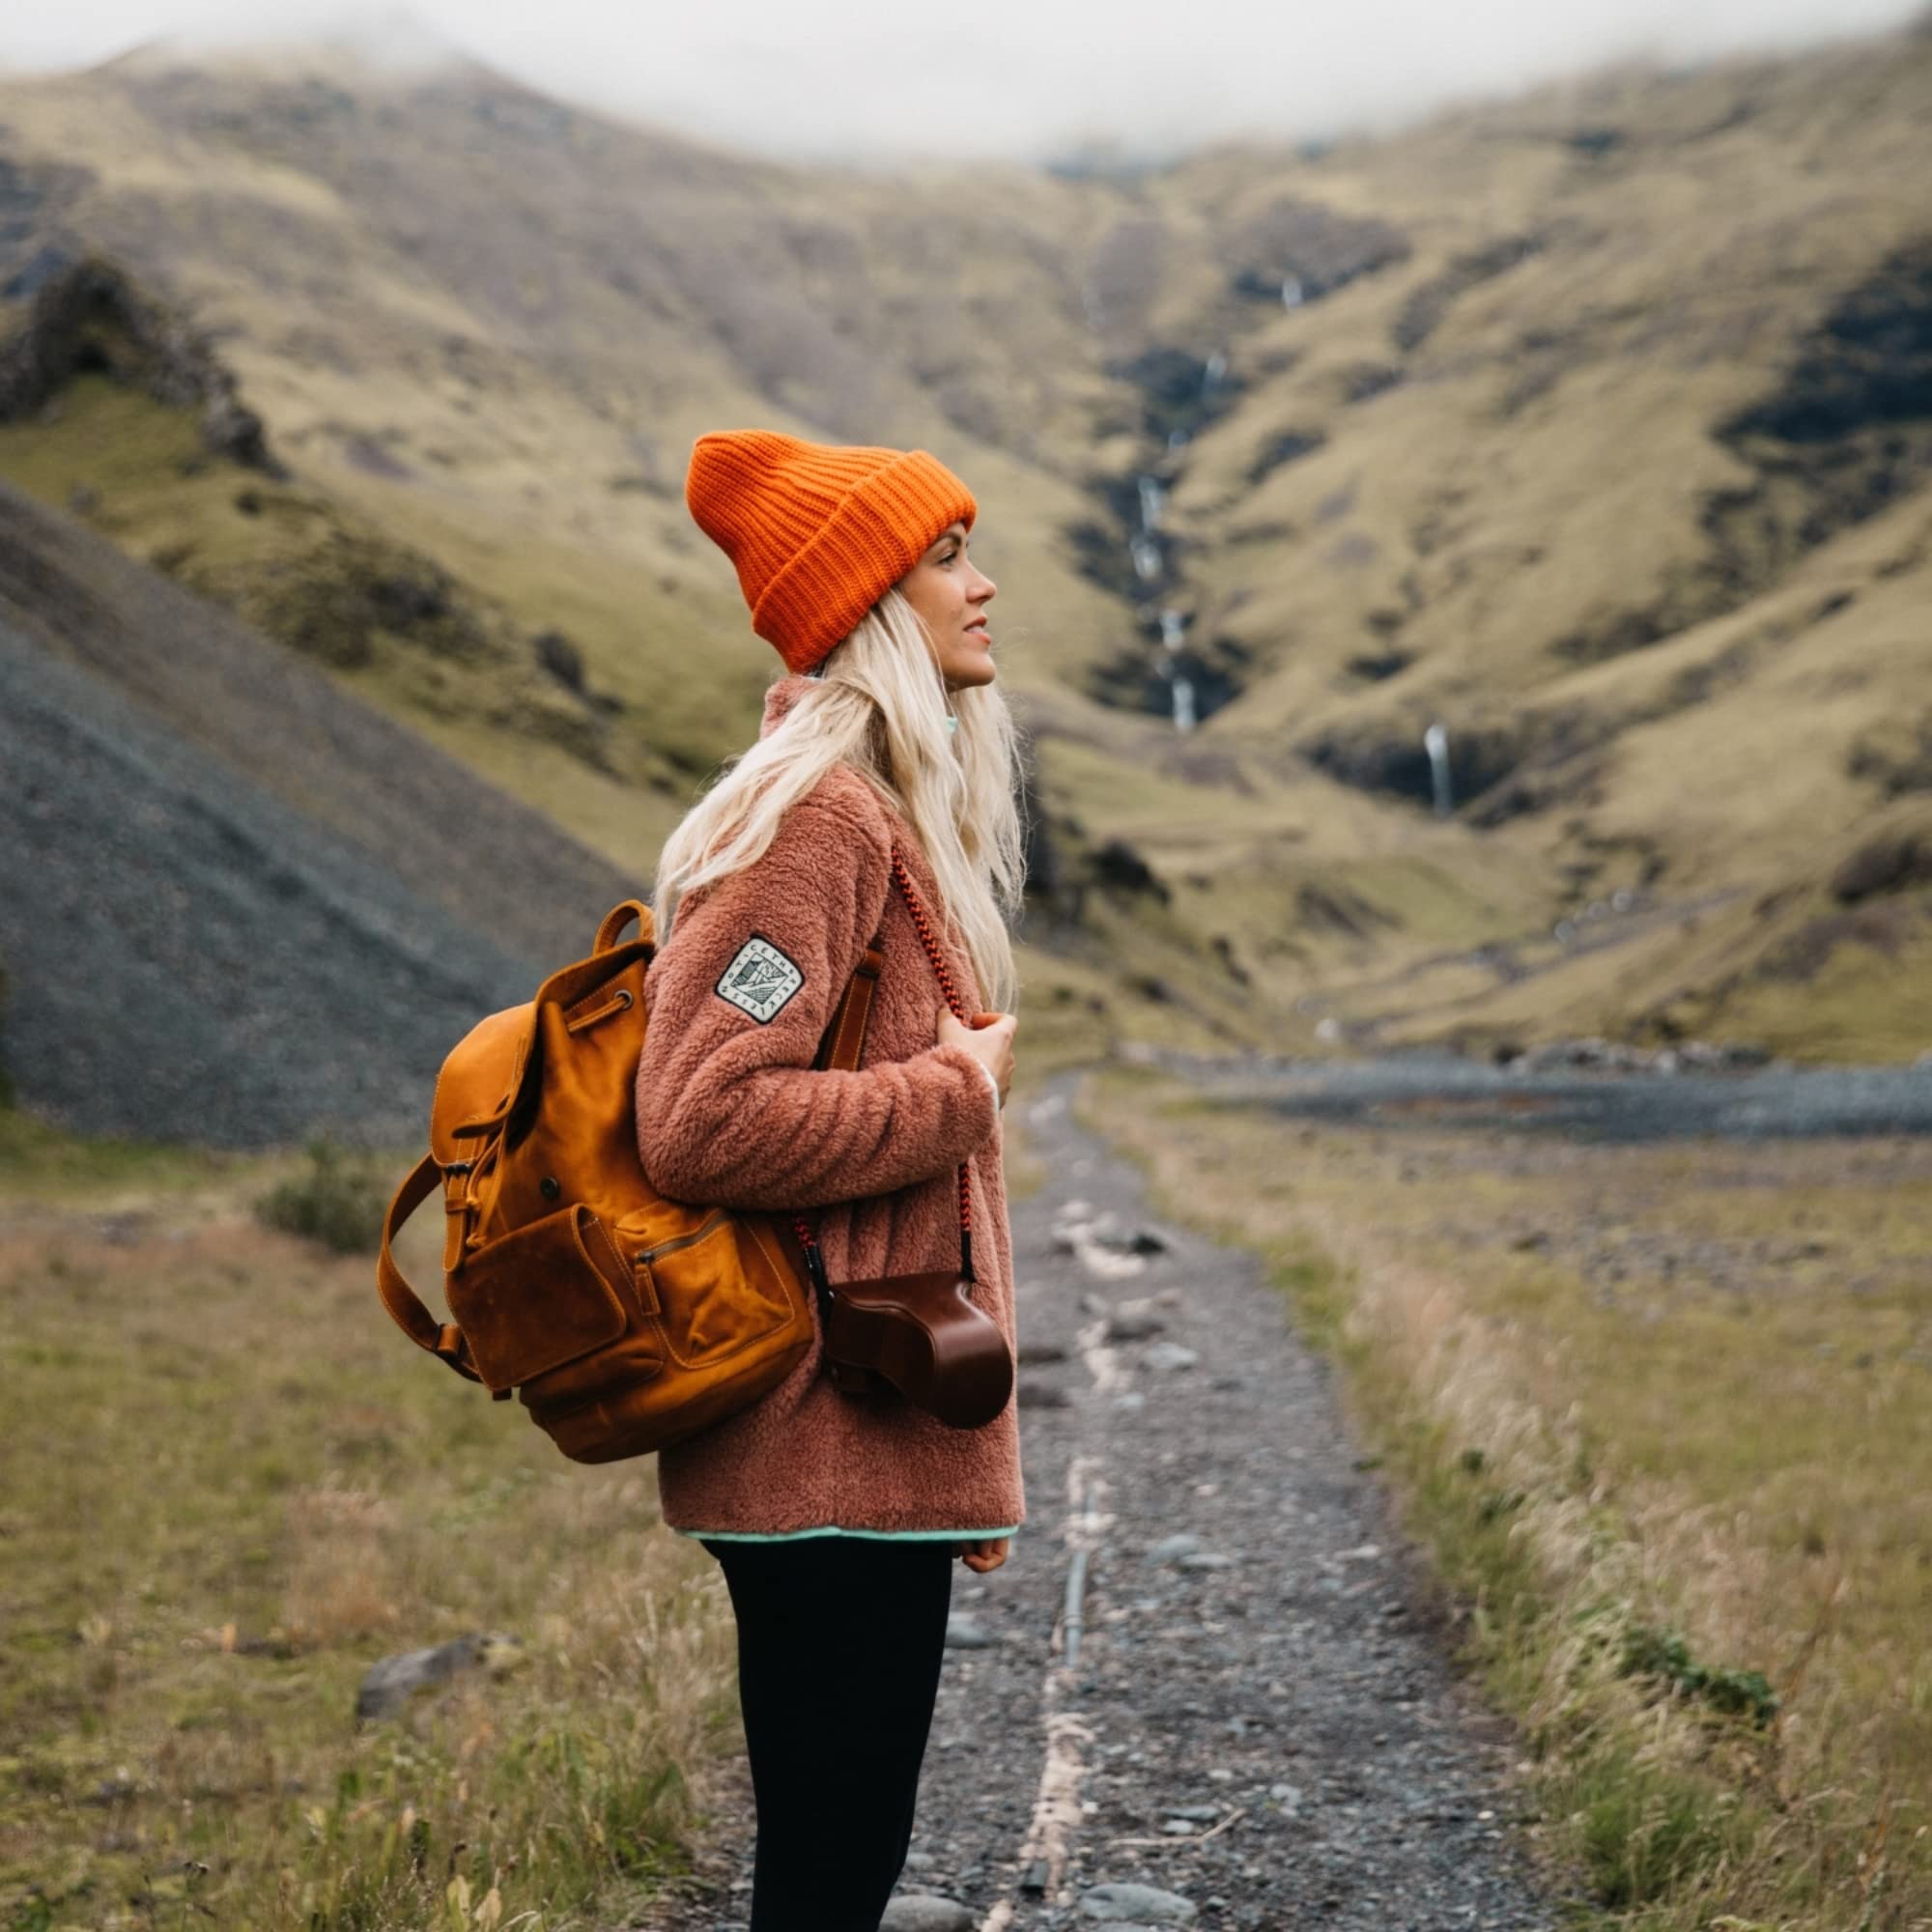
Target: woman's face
x=952, y=594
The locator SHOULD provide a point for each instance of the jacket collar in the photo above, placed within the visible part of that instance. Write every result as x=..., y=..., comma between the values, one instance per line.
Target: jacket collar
x=780, y=697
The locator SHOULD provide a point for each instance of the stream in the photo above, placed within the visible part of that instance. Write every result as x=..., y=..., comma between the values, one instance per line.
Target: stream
x=1436, y=1089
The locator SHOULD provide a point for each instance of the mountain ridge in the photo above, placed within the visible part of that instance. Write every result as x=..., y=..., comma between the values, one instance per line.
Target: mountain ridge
x=1429, y=425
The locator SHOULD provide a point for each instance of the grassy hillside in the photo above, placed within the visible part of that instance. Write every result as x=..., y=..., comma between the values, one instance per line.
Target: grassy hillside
x=1594, y=426
x=1613, y=461
x=179, y=1689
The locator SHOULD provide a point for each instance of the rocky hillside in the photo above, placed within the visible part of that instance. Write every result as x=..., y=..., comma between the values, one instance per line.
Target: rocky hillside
x=1583, y=439
x=237, y=905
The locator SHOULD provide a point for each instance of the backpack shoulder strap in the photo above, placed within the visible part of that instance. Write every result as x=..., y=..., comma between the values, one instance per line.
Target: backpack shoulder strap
x=442, y=1339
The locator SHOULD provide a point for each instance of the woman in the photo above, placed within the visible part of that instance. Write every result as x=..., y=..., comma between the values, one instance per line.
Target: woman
x=837, y=1517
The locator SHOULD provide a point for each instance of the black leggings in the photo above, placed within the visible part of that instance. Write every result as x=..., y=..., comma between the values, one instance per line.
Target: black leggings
x=839, y=1643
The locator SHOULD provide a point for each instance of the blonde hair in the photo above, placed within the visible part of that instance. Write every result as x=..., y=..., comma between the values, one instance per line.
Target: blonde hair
x=879, y=706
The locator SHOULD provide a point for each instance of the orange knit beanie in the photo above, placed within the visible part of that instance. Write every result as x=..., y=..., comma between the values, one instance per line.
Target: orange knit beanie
x=819, y=532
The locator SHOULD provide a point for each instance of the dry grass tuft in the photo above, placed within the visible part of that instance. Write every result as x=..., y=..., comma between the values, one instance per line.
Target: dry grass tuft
x=345, y=1568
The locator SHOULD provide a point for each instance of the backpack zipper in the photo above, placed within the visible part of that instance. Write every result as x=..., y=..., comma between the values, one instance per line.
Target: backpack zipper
x=708, y=1226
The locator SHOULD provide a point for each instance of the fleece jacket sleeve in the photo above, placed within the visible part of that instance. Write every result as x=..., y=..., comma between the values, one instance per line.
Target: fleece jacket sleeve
x=730, y=1109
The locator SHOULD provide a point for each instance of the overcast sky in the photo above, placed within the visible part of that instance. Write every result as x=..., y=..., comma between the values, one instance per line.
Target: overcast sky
x=1023, y=78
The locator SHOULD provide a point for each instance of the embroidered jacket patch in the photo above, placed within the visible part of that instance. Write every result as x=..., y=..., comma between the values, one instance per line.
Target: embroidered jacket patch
x=759, y=981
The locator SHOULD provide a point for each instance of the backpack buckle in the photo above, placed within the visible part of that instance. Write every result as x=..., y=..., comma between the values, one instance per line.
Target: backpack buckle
x=451, y=1348
x=458, y=1205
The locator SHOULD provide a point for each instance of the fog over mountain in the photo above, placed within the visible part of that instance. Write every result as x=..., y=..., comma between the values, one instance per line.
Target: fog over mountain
x=1005, y=78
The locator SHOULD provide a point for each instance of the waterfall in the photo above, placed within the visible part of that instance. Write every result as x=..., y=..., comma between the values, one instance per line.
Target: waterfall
x=1180, y=690
x=1290, y=291
x=1158, y=565
x=1436, y=742
x=1168, y=669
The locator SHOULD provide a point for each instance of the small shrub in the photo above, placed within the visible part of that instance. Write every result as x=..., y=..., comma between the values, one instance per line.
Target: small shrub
x=339, y=1201
x=1655, y=1653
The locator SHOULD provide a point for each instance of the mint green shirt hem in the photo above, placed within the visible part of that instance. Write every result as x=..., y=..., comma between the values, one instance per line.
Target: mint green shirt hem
x=835, y=1529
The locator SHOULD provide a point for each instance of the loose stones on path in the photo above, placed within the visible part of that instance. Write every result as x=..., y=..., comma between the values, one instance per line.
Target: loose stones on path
x=966, y=1632
x=927, y=1912
x=1136, y=1905
x=1172, y=1549
x=1183, y=1551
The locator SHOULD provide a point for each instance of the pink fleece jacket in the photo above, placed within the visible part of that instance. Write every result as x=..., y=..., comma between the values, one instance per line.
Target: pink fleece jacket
x=732, y=1112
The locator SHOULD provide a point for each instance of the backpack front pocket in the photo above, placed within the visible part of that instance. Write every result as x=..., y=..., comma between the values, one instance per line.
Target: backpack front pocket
x=718, y=1289
x=549, y=1293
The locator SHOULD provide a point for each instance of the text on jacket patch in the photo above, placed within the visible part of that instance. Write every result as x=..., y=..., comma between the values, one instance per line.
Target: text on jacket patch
x=760, y=980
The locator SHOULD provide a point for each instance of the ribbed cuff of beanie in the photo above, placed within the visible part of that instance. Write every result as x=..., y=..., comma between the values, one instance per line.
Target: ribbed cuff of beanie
x=870, y=541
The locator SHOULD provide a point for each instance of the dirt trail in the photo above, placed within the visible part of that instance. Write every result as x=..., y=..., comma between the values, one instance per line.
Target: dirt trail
x=1262, y=1722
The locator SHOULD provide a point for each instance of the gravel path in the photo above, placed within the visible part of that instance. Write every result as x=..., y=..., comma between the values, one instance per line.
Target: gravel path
x=1258, y=1719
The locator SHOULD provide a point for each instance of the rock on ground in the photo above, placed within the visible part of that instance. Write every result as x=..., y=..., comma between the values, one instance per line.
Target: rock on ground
x=925, y=1912
x=1135, y=1904
x=390, y=1682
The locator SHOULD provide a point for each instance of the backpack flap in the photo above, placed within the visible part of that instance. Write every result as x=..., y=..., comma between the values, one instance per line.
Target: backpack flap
x=480, y=1075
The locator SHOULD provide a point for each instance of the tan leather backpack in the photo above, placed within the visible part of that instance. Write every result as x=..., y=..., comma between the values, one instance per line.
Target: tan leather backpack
x=623, y=1320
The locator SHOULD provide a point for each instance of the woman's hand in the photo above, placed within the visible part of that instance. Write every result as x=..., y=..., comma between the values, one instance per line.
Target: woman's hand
x=989, y=1039
x=988, y=1554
